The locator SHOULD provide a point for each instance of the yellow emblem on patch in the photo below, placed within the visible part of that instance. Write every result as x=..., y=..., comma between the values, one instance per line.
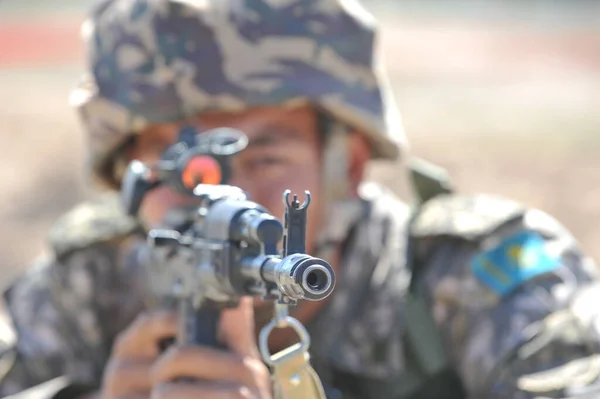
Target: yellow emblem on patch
x=517, y=259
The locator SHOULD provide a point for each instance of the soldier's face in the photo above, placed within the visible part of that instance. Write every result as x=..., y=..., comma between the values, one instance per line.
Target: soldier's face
x=283, y=153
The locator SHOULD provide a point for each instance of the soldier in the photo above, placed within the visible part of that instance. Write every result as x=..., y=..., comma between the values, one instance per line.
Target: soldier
x=456, y=296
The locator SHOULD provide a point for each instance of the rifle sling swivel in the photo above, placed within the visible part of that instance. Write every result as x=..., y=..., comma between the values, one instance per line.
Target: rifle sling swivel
x=292, y=375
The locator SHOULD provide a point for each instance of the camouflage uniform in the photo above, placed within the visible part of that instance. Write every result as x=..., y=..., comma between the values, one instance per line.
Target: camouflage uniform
x=67, y=311
x=477, y=287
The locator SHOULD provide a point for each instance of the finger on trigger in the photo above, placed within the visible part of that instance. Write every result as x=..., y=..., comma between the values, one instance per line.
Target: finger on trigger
x=125, y=376
x=141, y=338
x=212, y=390
x=209, y=364
x=237, y=329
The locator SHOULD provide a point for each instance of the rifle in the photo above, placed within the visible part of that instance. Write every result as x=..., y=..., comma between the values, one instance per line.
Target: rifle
x=226, y=247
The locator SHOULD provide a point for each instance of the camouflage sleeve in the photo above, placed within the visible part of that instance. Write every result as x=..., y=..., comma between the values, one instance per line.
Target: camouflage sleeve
x=67, y=309
x=508, y=299
x=67, y=313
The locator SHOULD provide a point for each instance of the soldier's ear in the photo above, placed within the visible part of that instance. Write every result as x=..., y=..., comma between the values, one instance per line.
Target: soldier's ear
x=360, y=153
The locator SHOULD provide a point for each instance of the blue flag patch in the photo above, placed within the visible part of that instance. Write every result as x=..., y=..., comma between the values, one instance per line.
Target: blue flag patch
x=516, y=260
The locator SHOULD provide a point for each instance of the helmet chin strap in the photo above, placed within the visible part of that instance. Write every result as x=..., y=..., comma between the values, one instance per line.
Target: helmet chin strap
x=339, y=208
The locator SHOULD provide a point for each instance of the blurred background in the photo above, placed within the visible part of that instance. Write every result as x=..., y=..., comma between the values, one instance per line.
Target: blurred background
x=505, y=94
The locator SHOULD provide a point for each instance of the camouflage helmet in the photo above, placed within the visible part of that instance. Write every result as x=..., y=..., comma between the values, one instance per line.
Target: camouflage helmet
x=166, y=60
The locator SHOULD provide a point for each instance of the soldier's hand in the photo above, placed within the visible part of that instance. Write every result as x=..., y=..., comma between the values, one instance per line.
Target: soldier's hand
x=128, y=372
x=237, y=373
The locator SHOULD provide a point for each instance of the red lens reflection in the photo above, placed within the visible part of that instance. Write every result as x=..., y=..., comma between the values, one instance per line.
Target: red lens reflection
x=201, y=169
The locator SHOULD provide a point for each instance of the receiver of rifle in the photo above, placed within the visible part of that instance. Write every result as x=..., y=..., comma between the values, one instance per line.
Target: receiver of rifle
x=231, y=250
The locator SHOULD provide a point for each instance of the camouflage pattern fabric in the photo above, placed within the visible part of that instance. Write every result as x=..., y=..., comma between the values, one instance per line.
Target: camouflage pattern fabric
x=99, y=220
x=46, y=390
x=66, y=310
x=490, y=335
x=168, y=60
x=523, y=344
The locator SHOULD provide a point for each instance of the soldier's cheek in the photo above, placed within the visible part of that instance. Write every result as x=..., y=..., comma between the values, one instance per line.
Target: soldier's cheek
x=158, y=202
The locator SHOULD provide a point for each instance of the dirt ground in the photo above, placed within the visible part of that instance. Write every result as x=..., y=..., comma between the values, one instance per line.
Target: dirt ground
x=507, y=106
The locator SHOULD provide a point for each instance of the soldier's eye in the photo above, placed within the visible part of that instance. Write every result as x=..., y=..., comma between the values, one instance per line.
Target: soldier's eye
x=265, y=161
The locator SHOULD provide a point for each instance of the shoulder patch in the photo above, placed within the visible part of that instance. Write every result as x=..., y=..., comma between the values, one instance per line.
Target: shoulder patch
x=98, y=220
x=464, y=216
x=515, y=260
